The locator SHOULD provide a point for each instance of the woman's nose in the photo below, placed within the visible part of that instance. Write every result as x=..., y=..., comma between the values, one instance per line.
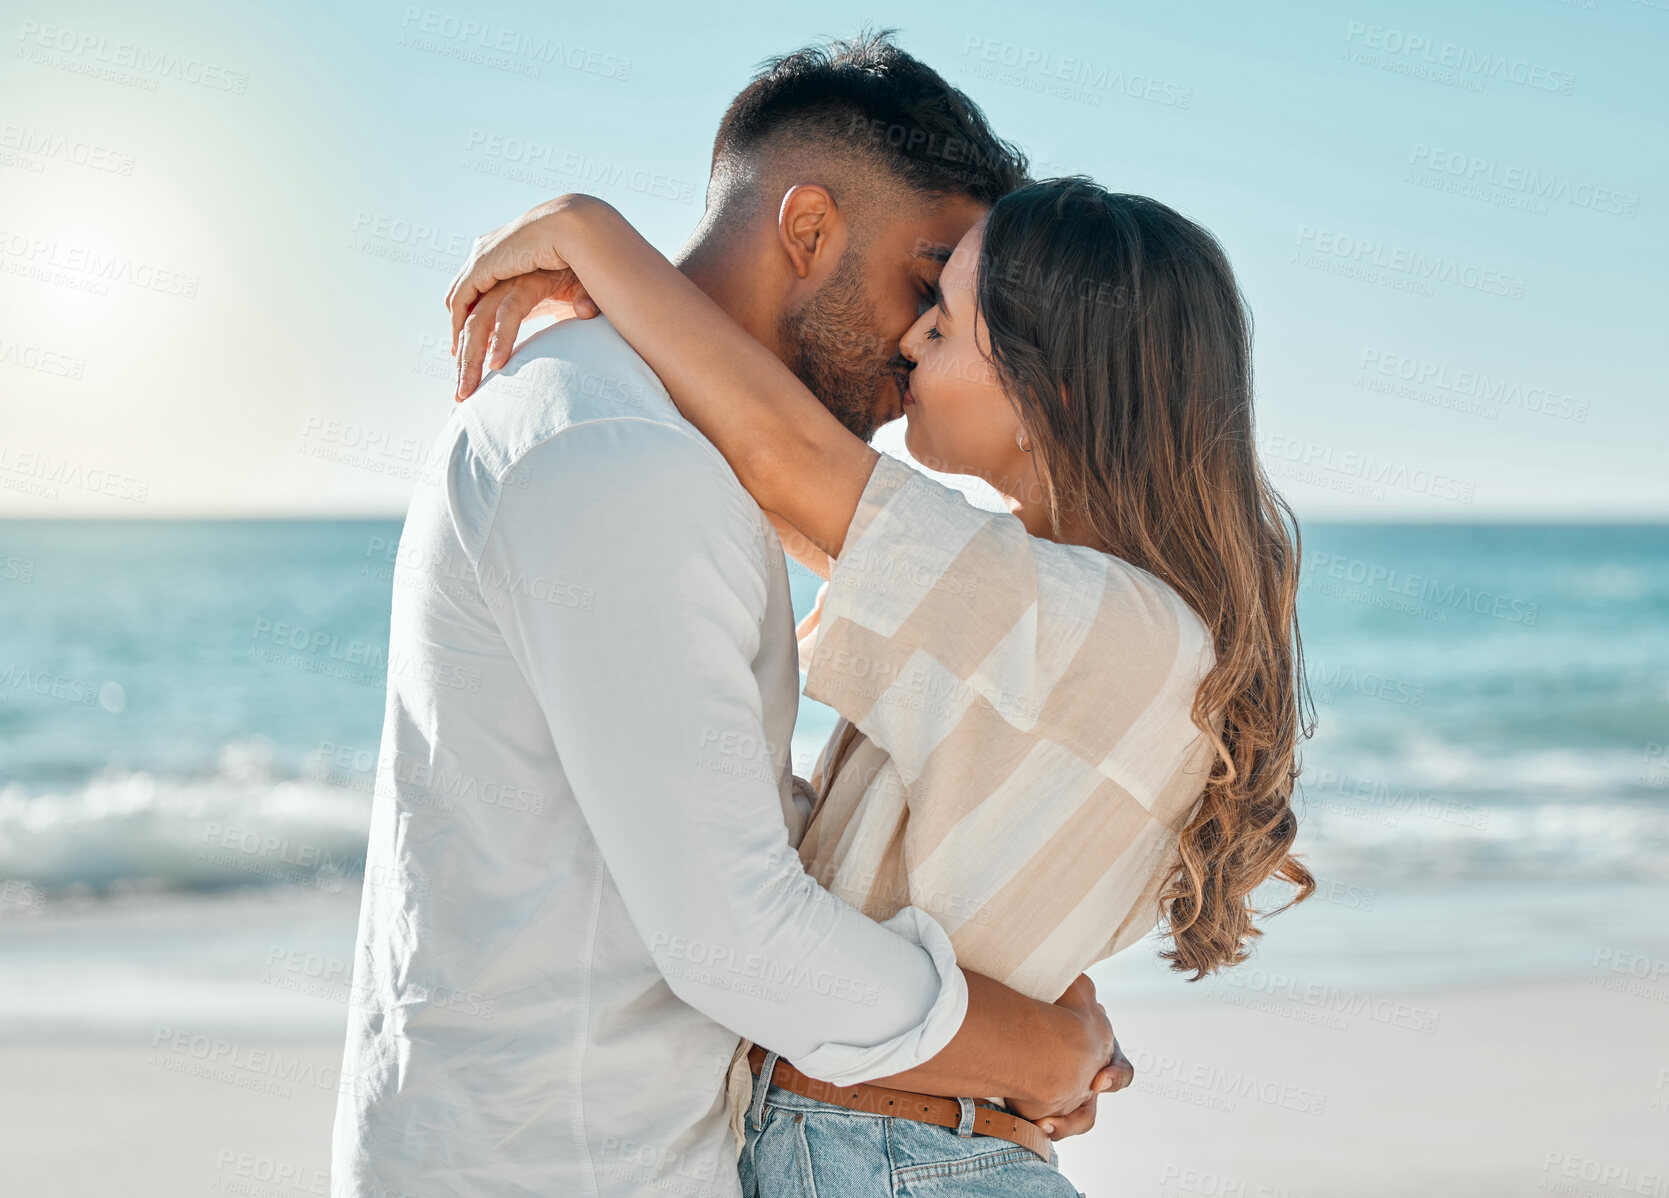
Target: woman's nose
x=910, y=344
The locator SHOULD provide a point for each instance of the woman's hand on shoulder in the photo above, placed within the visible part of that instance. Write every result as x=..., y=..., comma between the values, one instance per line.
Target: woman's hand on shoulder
x=523, y=265
x=489, y=328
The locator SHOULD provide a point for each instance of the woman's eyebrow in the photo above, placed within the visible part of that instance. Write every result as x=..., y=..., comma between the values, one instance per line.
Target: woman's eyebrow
x=944, y=301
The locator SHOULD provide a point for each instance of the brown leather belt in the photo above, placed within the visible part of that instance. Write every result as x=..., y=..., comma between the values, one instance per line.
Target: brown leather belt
x=923, y=1108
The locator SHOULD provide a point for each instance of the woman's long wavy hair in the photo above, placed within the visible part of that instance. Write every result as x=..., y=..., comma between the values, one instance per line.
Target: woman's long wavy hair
x=1118, y=328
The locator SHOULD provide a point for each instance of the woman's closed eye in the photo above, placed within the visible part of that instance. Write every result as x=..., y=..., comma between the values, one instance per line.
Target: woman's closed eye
x=932, y=333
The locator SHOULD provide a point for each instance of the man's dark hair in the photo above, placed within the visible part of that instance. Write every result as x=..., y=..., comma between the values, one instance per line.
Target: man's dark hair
x=866, y=98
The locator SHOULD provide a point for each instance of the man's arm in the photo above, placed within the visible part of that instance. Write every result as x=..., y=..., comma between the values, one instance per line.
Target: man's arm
x=657, y=718
x=1002, y=1034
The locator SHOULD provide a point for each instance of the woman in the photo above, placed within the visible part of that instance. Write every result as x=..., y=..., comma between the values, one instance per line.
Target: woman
x=1060, y=724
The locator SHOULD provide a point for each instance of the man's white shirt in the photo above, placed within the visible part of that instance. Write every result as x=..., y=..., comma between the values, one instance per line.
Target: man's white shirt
x=581, y=884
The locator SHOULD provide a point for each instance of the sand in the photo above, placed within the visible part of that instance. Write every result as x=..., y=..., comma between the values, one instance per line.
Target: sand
x=1530, y=1089
x=1258, y=1092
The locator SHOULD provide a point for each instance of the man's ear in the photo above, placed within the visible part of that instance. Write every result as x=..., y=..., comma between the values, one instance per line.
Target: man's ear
x=811, y=230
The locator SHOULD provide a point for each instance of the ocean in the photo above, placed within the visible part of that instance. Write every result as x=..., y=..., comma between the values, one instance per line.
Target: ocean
x=190, y=714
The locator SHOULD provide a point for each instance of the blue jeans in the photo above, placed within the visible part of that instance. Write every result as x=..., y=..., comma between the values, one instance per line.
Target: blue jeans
x=801, y=1148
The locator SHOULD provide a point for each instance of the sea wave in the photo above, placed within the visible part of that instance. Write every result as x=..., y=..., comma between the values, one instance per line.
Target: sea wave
x=240, y=824
x=1556, y=827
x=1531, y=772
x=1424, y=811
x=1421, y=805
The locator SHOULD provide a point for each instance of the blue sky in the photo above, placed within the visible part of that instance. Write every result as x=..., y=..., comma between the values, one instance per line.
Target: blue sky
x=226, y=230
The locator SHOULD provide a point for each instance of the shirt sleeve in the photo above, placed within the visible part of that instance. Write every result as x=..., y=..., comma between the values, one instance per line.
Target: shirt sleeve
x=934, y=604
x=639, y=689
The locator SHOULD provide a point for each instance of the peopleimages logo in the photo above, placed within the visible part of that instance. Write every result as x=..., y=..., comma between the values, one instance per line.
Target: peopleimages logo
x=1331, y=1006
x=1308, y=461
x=1217, y=1087
x=42, y=146
x=1541, y=186
x=465, y=38
x=1369, y=683
x=105, y=57
x=1335, y=250
x=37, y=473
x=1428, y=57
x=43, y=361
x=1396, y=581
x=88, y=267
x=528, y=161
x=1383, y=798
x=1616, y=1178
x=1064, y=72
x=1381, y=370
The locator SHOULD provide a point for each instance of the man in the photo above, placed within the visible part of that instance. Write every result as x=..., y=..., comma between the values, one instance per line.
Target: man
x=580, y=881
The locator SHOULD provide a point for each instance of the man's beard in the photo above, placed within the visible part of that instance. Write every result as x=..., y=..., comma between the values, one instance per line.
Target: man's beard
x=836, y=350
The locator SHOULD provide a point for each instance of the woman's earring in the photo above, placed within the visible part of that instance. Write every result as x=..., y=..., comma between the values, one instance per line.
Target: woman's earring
x=1024, y=441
